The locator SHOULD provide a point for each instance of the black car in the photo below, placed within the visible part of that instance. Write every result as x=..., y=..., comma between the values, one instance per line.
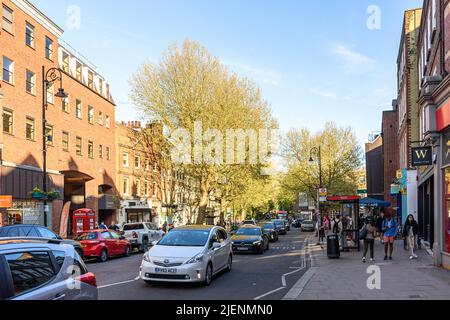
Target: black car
x=269, y=229
x=34, y=231
x=250, y=239
x=297, y=224
x=280, y=226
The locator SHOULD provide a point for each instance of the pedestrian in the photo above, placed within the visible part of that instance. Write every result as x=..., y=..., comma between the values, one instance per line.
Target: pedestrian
x=368, y=234
x=379, y=225
x=410, y=231
x=321, y=228
x=103, y=226
x=326, y=225
x=390, y=230
x=338, y=229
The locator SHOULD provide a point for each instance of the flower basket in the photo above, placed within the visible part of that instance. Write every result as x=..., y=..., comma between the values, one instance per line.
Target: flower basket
x=52, y=195
x=38, y=195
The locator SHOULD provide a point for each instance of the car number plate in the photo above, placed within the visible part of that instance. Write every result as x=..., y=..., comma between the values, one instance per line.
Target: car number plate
x=163, y=270
x=242, y=249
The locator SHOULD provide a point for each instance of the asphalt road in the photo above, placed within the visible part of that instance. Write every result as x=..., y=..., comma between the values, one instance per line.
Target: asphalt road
x=261, y=277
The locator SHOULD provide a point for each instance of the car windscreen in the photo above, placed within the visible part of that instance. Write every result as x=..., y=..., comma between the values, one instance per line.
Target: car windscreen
x=87, y=236
x=268, y=226
x=249, y=232
x=129, y=227
x=185, y=238
x=279, y=223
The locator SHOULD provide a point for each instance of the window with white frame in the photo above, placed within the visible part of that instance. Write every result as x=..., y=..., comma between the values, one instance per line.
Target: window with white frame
x=65, y=62
x=91, y=114
x=138, y=188
x=8, y=70
x=79, y=109
x=7, y=19
x=48, y=48
x=78, y=71
x=125, y=186
x=107, y=121
x=8, y=121
x=50, y=93
x=137, y=162
x=29, y=35
x=100, y=118
x=125, y=160
x=30, y=82
x=147, y=188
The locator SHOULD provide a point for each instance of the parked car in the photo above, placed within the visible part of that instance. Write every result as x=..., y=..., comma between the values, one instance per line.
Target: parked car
x=41, y=269
x=269, y=228
x=250, y=238
x=142, y=234
x=35, y=231
x=103, y=244
x=280, y=226
x=188, y=254
x=308, y=225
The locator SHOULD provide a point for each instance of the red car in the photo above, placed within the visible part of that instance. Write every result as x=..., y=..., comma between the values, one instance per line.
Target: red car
x=102, y=244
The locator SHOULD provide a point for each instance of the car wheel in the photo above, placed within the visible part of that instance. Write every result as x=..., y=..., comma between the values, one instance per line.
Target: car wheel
x=103, y=256
x=144, y=246
x=208, y=275
x=229, y=263
x=127, y=251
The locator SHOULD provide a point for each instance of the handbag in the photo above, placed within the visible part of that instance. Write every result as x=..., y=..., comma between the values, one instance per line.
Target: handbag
x=363, y=234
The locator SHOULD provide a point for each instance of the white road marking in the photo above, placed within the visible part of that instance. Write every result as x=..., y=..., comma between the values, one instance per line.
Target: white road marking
x=269, y=293
x=283, y=278
x=116, y=284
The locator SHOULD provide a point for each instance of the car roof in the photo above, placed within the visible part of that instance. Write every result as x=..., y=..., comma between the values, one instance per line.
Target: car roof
x=22, y=225
x=7, y=244
x=196, y=227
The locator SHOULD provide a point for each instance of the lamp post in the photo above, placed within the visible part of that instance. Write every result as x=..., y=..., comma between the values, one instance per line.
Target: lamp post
x=51, y=76
x=318, y=153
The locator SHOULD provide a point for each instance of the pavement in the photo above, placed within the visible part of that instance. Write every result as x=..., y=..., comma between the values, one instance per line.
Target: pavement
x=254, y=277
x=349, y=279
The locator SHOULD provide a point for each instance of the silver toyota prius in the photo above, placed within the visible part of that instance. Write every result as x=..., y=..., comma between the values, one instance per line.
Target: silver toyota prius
x=188, y=254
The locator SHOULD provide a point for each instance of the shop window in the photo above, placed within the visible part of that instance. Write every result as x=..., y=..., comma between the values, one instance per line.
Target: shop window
x=447, y=211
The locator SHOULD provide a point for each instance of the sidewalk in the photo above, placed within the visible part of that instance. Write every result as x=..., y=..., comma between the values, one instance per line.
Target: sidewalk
x=346, y=278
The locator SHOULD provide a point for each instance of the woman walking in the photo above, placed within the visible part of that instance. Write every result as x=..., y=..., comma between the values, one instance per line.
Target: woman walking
x=368, y=234
x=410, y=231
x=390, y=231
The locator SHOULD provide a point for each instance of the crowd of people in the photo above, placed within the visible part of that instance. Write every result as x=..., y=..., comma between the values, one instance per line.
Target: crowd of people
x=383, y=226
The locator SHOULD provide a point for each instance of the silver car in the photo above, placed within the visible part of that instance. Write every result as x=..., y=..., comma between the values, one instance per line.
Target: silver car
x=188, y=254
x=43, y=269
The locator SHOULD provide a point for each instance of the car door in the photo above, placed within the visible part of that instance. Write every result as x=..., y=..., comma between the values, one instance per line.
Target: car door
x=151, y=232
x=225, y=250
x=34, y=276
x=111, y=244
x=120, y=244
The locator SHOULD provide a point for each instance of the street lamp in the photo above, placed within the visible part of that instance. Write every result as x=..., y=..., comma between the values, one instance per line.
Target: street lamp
x=51, y=76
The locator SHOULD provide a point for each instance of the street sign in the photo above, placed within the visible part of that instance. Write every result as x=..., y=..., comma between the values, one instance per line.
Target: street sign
x=422, y=156
x=323, y=193
x=6, y=202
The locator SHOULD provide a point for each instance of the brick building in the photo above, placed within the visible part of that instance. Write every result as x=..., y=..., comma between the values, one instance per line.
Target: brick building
x=79, y=131
x=374, y=168
x=434, y=119
x=390, y=151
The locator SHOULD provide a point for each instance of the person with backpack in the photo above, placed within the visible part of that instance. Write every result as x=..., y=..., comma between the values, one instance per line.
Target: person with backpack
x=410, y=231
x=338, y=229
x=390, y=230
x=368, y=234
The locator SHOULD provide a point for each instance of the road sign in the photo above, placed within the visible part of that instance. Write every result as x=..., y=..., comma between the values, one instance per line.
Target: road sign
x=323, y=193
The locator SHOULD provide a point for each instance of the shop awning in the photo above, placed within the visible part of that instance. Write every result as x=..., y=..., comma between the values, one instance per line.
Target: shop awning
x=374, y=203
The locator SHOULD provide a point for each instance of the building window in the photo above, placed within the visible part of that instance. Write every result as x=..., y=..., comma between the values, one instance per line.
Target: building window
x=91, y=115
x=30, y=132
x=125, y=186
x=65, y=62
x=50, y=93
x=79, y=109
x=7, y=21
x=49, y=135
x=29, y=35
x=31, y=82
x=79, y=146
x=155, y=167
x=138, y=188
x=8, y=121
x=100, y=151
x=137, y=162
x=107, y=122
x=100, y=86
x=125, y=160
x=91, y=149
x=100, y=118
x=48, y=48
x=8, y=70
x=108, y=155
x=90, y=80
x=107, y=91
x=78, y=71
x=65, y=104
x=65, y=141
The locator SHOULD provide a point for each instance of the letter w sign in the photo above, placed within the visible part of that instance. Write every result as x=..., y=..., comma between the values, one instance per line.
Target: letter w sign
x=422, y=156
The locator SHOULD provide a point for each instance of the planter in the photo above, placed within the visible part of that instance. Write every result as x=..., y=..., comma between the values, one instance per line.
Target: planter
x=38, y=195
x=52, y=196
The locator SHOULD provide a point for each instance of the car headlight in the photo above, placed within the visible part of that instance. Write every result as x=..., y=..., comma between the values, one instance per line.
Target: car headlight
x=197, y=258
x=257, y=243
x=147, y=258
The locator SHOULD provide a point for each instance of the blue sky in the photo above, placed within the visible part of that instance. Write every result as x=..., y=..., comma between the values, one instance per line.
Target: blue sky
x=315, y=61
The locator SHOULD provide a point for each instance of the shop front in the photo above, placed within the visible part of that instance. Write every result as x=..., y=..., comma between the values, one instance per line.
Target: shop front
x=446, y=194
x=137, y=211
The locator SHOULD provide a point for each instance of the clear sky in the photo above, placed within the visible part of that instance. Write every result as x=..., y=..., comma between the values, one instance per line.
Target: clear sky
x=315, y=61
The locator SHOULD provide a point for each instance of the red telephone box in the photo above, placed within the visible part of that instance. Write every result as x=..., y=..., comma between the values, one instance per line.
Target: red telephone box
x=83, y=220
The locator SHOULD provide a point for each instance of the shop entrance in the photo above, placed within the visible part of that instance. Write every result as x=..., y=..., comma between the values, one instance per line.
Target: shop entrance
x=426, y=212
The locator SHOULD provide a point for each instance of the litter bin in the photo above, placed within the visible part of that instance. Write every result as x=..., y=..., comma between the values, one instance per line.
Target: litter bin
x=333, y=251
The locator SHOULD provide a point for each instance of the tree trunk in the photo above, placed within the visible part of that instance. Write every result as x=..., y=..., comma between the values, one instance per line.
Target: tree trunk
x=203, y=202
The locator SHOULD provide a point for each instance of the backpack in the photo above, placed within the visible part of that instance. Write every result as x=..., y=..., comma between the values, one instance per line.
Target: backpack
x=336, y=228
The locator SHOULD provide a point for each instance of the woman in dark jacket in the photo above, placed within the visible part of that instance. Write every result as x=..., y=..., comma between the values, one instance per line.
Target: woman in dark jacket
x=410, y=231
